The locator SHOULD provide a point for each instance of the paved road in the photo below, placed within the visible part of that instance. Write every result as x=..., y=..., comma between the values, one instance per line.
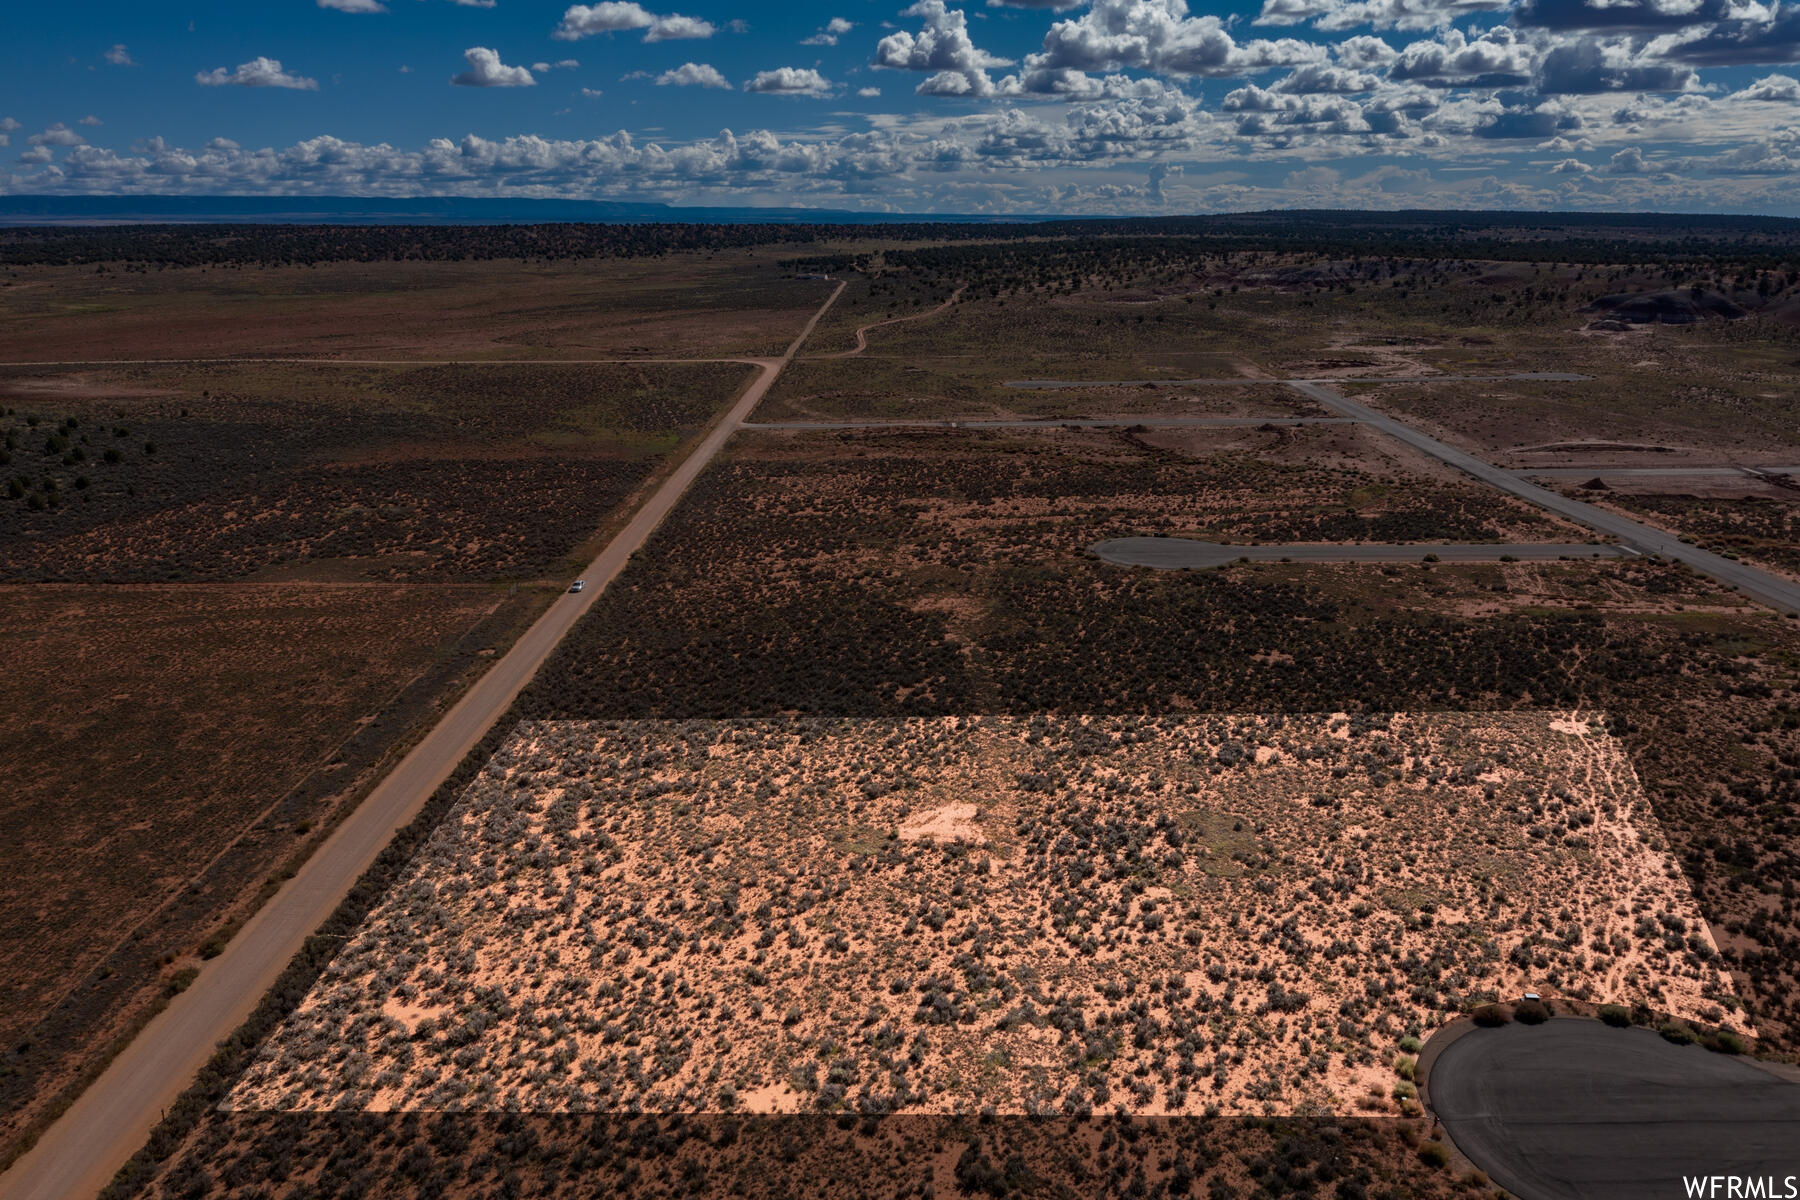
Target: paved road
x=1051, y=422
x=82, y=1151
x=1245, y=381
x=1649, y=472
x=1575, y=1110
x=1760, y=585
x=1174, y=554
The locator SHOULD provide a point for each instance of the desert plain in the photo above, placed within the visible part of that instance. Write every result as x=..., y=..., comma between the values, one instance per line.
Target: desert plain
x=868, y=824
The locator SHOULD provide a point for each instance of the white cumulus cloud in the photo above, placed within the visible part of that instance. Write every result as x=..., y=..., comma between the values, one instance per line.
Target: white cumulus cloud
x=486, y=70
x=790, y=81
x=41, y=143
x=57, y=135
x=944, y=47
x=1498, y=58
x=1364, y=51
x=614, y=16
x=1775, y=88
x=258, y=72
x=692, y=74
x=828, y=36
x=1378, y=14
x=1156, y=36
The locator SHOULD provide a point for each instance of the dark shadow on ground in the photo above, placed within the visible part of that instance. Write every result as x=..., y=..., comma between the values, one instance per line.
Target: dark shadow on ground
x=846, y=1153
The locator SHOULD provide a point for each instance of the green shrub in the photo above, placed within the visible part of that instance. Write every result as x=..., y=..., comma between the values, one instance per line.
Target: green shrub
x=1405, y=1091
x=1615, y=1015
x=1490, y=1016
x=1531, y=1012
x=1433, y=1154
x=1405, y=1066
x=179, y=981
x=1677, y=1032
x=1723, y=1041
x=1409, y=1044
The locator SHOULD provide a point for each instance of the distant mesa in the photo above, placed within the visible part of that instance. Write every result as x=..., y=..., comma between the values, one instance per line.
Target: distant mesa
x=1680, y=307
x=24, y=209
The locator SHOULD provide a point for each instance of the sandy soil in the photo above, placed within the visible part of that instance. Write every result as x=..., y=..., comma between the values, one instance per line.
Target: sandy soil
x=1357, y=356
x=1135, y=915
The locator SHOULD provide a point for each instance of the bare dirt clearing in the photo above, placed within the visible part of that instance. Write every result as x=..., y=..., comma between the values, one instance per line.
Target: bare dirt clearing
x=1131, y=915
x=924, y=386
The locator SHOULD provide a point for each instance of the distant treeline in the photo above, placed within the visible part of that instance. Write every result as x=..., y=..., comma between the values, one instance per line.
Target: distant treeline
x=1010, y=266
x=1752, y=242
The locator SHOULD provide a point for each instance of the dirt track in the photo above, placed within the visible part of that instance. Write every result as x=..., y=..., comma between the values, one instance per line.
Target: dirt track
x=80, y=1153
x=862, y=331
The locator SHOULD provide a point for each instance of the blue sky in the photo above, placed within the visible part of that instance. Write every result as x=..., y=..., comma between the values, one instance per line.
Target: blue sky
x=1131, y=106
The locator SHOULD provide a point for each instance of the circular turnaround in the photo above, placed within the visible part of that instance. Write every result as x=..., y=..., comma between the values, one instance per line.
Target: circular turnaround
x=1574, y=1108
